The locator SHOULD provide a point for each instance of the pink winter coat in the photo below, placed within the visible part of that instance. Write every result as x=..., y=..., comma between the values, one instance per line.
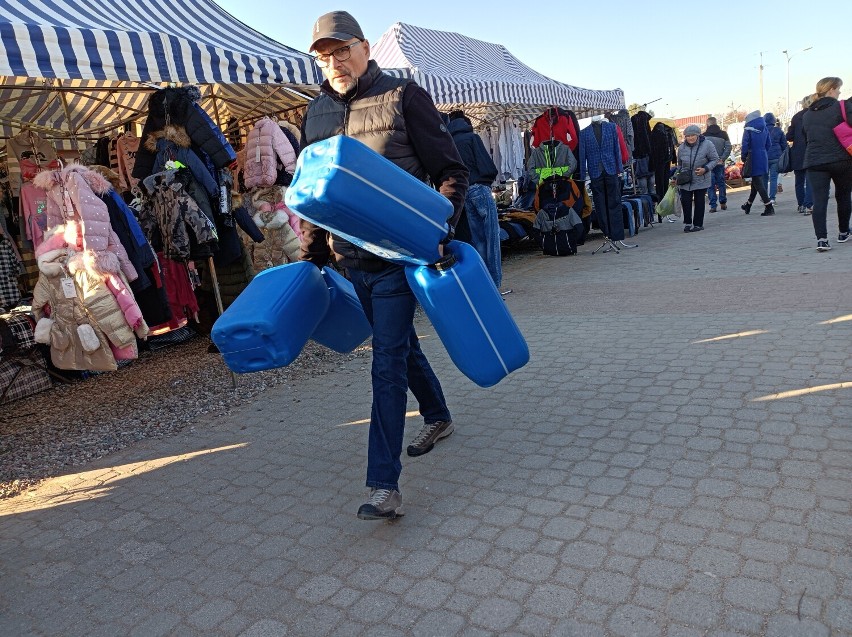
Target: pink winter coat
x=266, y=146
x=72, y=200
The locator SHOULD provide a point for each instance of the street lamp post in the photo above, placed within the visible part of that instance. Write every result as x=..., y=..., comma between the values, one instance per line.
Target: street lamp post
x=790, y=57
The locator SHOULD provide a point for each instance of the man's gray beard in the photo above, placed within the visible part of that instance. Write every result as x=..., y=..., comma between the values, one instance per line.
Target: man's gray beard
x=348, y=86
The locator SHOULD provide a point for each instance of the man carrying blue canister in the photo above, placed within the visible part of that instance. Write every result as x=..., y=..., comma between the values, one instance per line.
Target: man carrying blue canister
x=397, y=119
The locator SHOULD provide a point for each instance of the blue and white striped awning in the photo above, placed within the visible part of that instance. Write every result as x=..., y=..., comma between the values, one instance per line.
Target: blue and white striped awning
x=156, y=41
x=484, y=79
x=77, y=67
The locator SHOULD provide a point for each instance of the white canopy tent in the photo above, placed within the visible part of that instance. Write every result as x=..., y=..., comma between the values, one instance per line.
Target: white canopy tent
x=74, y=69
x=482, y=78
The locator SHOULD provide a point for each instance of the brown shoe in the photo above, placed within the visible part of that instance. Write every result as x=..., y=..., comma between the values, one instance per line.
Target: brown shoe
x=384, y=504
x=430, y=434
x=724, y=206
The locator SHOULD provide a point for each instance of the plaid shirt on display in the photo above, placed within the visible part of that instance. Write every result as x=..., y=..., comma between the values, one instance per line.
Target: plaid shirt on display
x=10, y=268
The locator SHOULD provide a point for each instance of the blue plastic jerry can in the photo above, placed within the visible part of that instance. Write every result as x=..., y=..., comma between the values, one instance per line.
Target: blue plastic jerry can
x=344, y=326
x=345, y=187
x=469, y=315
x=269, y=323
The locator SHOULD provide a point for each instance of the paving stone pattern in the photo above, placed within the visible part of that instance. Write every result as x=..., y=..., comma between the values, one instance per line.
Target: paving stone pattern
x=638, y=477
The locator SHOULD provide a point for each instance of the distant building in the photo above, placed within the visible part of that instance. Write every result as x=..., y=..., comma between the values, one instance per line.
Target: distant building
x=699, y=120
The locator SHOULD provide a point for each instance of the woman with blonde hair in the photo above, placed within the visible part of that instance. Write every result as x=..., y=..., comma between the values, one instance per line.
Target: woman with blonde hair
x=826, y=160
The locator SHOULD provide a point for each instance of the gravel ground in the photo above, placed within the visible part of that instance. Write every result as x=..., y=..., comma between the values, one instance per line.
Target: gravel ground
x=157, y=395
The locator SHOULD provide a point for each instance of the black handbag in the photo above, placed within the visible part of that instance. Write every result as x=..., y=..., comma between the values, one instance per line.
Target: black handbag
x=784, y=162
x=747, y=166
x=683, y=177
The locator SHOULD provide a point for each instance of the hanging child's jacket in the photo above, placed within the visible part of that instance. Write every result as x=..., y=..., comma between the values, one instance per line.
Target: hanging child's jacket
x=173, y=143
x=280, y=244
x=73, y=203
x=267, y=145
x=76, y=340
x=173, y=222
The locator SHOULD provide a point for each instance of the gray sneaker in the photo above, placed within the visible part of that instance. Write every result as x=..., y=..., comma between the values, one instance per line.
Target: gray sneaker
x=428, y=436
x=384, y=504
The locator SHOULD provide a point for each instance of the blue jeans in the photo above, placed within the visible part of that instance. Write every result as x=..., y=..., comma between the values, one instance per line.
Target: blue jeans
x=484, y=228
x=803, y=189
x=773, y=178
x=398, y=364
x=717, y=180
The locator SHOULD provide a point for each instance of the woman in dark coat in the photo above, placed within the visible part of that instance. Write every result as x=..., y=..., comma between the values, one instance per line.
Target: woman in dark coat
x=827, y=161
x=796, y=134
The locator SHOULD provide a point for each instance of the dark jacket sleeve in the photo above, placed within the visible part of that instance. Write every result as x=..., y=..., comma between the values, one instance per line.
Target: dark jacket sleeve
x=245, y=221
x=435, y=147
x=199, y=171
x=206, y=135
x=484, y=164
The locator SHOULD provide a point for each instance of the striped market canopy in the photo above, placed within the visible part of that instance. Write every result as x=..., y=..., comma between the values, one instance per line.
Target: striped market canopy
x=78, y=67
x=482, y=78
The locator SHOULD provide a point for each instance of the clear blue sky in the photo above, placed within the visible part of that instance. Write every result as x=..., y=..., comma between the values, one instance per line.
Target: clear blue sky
x=639, y=47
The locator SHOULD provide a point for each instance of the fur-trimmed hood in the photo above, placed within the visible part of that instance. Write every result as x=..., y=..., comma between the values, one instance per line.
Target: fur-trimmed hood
x=48, y=179
x=272, y=218
x=110, y=175
x=175, y=134
x=50, y=263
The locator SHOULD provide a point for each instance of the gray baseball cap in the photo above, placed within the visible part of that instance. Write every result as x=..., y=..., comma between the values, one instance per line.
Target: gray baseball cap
x=335, y=25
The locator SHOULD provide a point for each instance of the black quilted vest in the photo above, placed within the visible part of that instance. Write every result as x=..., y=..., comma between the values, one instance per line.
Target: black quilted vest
x=374, y=117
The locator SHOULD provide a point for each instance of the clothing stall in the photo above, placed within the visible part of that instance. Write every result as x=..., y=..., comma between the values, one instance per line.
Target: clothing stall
x=500, y=94
x=92, y=261
x=504, y=99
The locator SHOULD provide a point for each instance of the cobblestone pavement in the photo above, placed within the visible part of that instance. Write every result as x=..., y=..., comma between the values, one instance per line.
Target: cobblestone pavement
x=675, y=460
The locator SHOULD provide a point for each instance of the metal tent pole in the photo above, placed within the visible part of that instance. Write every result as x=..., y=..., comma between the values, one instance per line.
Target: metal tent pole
x=218, y=296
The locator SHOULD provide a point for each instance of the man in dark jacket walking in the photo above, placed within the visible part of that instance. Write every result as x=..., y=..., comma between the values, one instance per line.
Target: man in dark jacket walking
x=479, y=203
x=796, y=134
x=397, y=119
x=722, y=142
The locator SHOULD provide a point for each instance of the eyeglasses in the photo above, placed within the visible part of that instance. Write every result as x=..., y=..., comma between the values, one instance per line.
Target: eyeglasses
x=340, y=54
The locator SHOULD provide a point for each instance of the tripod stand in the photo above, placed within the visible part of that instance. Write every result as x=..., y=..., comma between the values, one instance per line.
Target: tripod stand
x=604, y=222
x=610, y=246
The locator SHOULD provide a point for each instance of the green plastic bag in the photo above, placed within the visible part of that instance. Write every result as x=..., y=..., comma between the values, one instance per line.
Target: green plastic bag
x=667, y=206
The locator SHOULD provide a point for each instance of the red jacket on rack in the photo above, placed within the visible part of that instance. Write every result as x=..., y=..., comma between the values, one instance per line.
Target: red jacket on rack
x=625, y=155
x=554, y=123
